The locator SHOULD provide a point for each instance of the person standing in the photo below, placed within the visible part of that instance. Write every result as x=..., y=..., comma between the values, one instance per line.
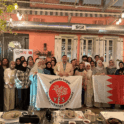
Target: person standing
x=22, y=82
x=82, y=73
x=121, y=65
x=111, y=69
x=92, y=63
x=89, y=90
x=18, y=63
x=30, y=64
x=9, y=91
x=38, y=68
x=53, y=64
x=63, y=68
x=100, y=70
x=74, y=66
x=1, y=89
x=97, y=57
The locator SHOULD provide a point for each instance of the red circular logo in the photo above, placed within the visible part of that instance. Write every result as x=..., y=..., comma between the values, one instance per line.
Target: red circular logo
x=59, y=92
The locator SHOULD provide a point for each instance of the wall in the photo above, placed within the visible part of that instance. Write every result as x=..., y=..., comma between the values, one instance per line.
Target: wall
x=37, y=39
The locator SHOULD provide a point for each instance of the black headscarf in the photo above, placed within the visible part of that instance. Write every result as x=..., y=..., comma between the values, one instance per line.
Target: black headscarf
x=18, y=66
x=23, y=68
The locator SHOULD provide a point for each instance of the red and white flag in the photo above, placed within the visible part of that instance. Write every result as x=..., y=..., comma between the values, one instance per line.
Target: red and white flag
x=58, y=92
x=109, y=89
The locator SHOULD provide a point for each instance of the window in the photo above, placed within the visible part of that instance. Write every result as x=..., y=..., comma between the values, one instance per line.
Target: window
x=67, y=47
x=108, y=50
x=88, y=47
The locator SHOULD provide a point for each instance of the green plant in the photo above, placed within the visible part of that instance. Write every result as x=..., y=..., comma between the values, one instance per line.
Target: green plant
x=40, y=53
x=5, y=10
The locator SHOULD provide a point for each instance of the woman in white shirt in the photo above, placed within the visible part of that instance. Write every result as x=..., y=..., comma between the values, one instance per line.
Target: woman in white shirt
x=9, y=91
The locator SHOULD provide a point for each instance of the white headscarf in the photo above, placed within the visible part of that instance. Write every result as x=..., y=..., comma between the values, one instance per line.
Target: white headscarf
x=114, y=66
x=89, y=72
x=35, y=68
x=29, y=65
x=99, y=68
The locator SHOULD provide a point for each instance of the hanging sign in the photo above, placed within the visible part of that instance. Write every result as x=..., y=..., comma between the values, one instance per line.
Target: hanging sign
x=17, y=53
x=78, y=27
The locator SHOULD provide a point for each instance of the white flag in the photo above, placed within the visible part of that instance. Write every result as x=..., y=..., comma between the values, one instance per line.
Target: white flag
x=56, y=92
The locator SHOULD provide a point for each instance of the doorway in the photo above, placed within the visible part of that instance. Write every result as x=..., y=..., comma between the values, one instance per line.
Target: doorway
x=9, y=42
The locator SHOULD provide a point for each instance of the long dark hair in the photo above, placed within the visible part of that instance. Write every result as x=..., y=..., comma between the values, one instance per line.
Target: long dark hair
x=21, y=58
x=29, y=57
x=7, y=63
x=55, y=59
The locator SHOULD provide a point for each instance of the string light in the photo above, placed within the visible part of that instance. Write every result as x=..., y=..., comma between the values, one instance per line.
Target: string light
x=10, y=19
x=117, y=23
x=120, y=20
x=122, y=15
x=16, y=5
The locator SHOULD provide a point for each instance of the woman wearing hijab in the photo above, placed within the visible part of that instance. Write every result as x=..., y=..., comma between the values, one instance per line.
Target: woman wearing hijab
x=111, y=69
x=9, y=91
x=38, y=68
x=18, y=63
x=121, y=66
x=89, y=90
x=30, y=64
x=82, y=73
x=100, y=70
x=22, y=82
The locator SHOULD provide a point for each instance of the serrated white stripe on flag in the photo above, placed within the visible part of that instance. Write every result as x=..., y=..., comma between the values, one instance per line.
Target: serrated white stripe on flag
x=100, y=88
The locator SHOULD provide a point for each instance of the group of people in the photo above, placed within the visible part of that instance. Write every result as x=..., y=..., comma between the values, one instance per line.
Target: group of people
x=18, y=86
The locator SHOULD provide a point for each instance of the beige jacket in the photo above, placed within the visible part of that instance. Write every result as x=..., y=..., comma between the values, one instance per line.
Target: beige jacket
x=59, y=68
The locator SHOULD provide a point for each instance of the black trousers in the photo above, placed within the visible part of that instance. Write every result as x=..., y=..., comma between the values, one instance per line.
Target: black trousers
x=25, y=97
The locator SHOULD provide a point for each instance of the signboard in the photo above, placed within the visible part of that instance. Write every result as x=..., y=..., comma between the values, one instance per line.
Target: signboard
x=78, y=27
x=17, y=53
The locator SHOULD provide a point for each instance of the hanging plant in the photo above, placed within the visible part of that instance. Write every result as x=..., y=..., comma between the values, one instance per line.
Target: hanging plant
x=49, y=54
x=40, y=53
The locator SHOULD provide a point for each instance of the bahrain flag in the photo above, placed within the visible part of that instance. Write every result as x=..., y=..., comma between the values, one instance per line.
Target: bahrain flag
x=109, y=89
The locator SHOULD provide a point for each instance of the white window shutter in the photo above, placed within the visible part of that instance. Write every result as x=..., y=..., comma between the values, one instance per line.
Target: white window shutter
x=58, y=47
x=119, y=50
x=97, y=51
x=75, y=47
x=81, y=48
x=121, y=40
x=102, y=46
